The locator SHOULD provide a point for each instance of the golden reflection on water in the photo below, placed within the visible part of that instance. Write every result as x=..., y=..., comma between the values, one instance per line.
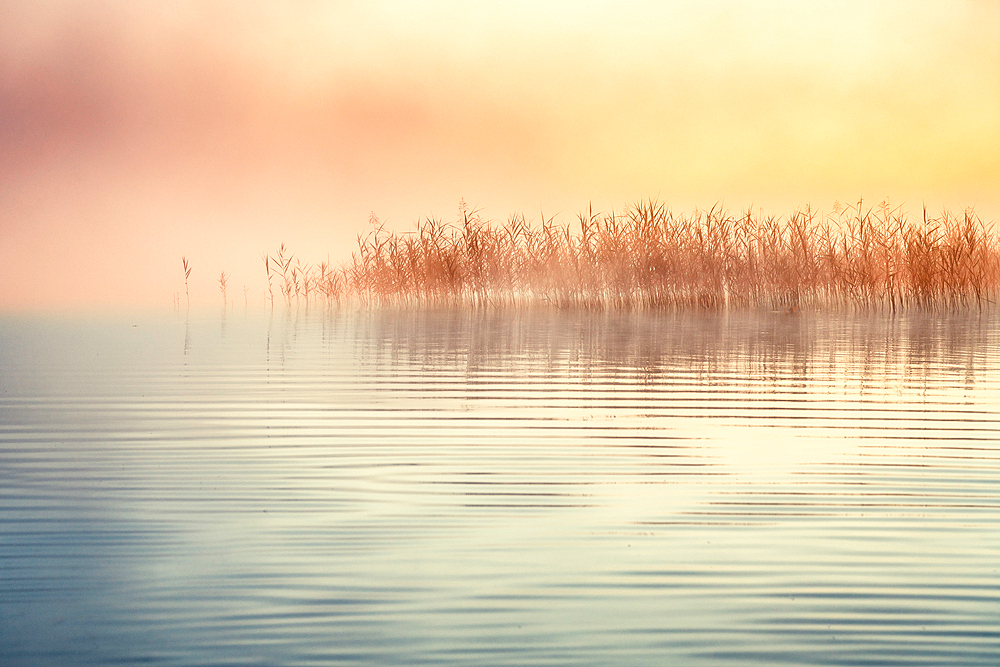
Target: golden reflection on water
x=862, y=354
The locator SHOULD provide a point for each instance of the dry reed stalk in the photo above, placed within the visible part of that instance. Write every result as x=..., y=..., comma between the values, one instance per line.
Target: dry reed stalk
x=223, y=278
x=187, y=274
x=267, y=269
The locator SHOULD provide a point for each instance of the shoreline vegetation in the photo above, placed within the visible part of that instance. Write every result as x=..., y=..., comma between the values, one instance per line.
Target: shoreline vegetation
x=647, y=257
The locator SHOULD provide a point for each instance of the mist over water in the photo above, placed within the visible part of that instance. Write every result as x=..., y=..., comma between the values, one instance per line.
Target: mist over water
x=500, y=487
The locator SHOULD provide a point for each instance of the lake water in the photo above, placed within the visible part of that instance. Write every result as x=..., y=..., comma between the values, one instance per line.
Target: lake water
x=539, y=487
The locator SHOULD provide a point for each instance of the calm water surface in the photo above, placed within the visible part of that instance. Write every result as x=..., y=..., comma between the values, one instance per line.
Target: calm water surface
x=533, y=488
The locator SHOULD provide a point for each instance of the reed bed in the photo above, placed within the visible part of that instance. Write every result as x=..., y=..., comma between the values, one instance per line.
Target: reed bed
x=645, y=256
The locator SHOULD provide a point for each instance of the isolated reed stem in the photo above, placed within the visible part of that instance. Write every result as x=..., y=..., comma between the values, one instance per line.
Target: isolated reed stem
x=223, y=278
x=187, y=274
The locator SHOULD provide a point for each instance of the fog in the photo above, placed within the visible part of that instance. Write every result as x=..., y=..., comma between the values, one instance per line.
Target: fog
x=132, y=134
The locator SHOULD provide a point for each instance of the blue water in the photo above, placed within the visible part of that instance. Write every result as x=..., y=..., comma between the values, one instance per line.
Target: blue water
x=531, y=487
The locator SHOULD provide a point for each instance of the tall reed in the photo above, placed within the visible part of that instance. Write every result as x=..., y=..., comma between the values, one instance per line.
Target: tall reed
x=223, y=280
x=187, y=274
x=645, y=256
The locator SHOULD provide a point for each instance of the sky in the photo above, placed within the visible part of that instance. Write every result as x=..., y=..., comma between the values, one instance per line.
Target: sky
x=133, y=132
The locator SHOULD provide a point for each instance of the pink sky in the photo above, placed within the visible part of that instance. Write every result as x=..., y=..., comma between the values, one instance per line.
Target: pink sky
x=134, y=132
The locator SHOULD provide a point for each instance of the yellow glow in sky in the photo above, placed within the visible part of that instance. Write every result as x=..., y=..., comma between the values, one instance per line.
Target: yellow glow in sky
x=132, y=133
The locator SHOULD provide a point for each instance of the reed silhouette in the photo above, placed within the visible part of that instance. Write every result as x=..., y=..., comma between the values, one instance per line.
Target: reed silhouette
x=645, y=256
x=302, y=282
x=223, y=280
x=187, y=275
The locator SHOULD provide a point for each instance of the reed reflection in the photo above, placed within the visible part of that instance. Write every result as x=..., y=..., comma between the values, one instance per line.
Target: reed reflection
x=867, y=351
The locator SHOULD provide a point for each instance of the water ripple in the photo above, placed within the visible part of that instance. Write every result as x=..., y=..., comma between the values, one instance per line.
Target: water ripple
x=531, y=487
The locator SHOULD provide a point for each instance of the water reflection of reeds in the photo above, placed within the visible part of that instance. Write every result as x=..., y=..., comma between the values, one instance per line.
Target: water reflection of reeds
x=769, y=347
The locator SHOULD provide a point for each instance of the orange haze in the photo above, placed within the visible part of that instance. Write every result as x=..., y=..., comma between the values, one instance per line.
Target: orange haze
x=132, y=133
